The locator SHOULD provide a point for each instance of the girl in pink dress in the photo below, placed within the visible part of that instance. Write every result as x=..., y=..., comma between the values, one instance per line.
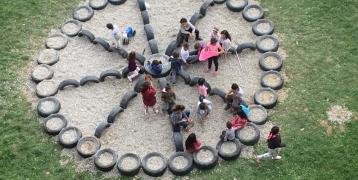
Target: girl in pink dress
x=212, y=52
x=192, y=144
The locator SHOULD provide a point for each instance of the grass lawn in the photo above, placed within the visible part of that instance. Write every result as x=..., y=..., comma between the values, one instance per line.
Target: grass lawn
x=319, y=37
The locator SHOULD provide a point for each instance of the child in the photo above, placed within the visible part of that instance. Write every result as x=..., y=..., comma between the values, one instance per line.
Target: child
x=148, y=78
x=168, y=98
x=234, y=97
x=132, y=66
x=215, y=33
x=149, y=97
x=229, y=133
x=192, y=144
x=129, y=33
x=202, y=89
x=198, y=46
x=187, y=29
x=180, y=118
x=225, y=40
x=156, y=67
x=273, y=143
x=116, y=33
x=175, y=66
x=214, y=46
x=239, y=120
x=204, y=108
x=184, y=52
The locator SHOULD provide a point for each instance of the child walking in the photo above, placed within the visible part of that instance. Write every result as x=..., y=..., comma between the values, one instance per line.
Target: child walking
x=149, y=97
x=132, y=66
x=202, y=89
x=273, y=143
x=214, y=46
x=175, y=66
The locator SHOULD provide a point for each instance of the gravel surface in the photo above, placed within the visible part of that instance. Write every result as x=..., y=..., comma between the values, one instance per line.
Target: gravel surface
x=180, y=162
x=267, y=43
x=228, y=147
x=263, y=27
x=88, y=147
x=69, y=136
x=70, y=28
x=247, y=132
x=97, y=2
x=82, y=13
x=105, y=158
x=155, y=163
x=46, y=88
x=42, y=72
x=237, y=2
x=265, y=97
x=271, y=80
x=256, y=114
x=129, y=163
x=54, y=123
x=271, y=61
x=205, y=156
x=47, y=106
x=253, y=12
x=56, y=41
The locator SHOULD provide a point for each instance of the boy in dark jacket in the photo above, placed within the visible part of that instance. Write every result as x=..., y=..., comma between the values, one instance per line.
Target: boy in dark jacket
x=273, y=143
x=175, y=66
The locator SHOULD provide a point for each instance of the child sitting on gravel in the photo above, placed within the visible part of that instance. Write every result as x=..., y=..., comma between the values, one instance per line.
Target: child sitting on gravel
x=133, y=69
x=180, y=118
x=239, y=120
x=156, y=67
x=168, y=98
x=273, y=143
x=184, y=52
x=204, y=108
x=192, y=144
x=149, y=97
x=202, y=89
x=234, y=97
x=229, y=133
x=175, y=66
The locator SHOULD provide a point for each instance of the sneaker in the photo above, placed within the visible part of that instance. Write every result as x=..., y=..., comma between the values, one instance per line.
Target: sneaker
x=198, y=39
x=257, y=161
x=145, y=111
x=276, y=158
x=130, y=79
x=156, y=111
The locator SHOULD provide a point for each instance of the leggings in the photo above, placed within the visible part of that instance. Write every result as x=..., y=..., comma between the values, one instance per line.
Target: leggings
x=216, y=63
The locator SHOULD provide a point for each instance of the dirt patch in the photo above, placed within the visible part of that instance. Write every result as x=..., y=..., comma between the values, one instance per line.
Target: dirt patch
x=282, y=94
x=339, y=114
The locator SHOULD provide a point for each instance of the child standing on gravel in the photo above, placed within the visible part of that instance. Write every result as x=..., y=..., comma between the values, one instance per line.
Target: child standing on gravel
x=225, y=40
x=213, y=51
x=168, y=98
x=175, y=66
x=202, y=89
x=204, y=108
x=149, y=97
x=116, y=33
x=187, y=29
x=192, y=144
x=229, y=133
x=133, y=69
x=273, y=143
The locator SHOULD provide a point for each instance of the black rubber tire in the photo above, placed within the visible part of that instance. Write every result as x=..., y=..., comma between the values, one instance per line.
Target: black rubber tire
x=68, y=82
x=278, y=86
x=87, y=79
x=264, y=67
x=69, y=144
x=149, y=31
x=117, y=2
x=88, y=138
x=163, y=82
x=183, y=171
x=218, y=92
x=138, y=85
x=59, y=47
x=252, y=19
x=88, y=34
x=185, y=75
x=74, y=22
x=145, y=17
x=113, y=114
x=258, y=121
x=140, y=58
x=171, y=47
x=102, y=167
x=178, y=141
x=99, y=7
x=100, y=128
x=195, y=17
x=120, y=51
x=194, y=81
x=249, y=142
x=243, y=46
x=38, y=79
x=128, y=96
x=109, y=72
x=233, y=8
x=268, y=105
x=55, y=110
x=83, y=19
x=204, y=7
x=150, y=172
x=128, y=172
x=53, y=59
x=219, y=1
x=229, y=156
x=209, y=165
x=55, y=131
x=259, y=33
x=141, y=4
x=50, y=92
x=153, y=45
x=263, y=50
x=192, y=59
x=103, y=43
x=166, y=66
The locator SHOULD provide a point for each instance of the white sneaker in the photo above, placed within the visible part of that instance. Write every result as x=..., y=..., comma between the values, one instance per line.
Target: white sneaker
x=130, y=79
x=276, y=158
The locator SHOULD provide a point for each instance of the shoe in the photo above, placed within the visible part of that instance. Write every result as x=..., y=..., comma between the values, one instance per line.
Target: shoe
x=276, y=158
x=198, y=39
x=257, y=161
x=156, y=111
x=130, y=79
x=145, y=112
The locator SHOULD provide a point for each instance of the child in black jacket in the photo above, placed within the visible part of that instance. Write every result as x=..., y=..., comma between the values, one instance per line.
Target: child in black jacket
x=273, y=143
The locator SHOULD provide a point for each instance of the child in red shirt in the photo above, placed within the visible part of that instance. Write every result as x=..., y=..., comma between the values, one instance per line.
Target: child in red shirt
x=149, y=96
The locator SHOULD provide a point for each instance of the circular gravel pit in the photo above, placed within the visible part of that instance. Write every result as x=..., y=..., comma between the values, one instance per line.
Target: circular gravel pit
x=265, y=96
x=56, y=41
x=272, y=79
x=129, y=163
x=155, y=163
x=42, y=72
x=165, y=64
x=46, y=88
x=48, y=56
x=258, y=114
x=69, y=137
x=88, y=146
x=270, y=61
x=267, y=43
x=71, y=28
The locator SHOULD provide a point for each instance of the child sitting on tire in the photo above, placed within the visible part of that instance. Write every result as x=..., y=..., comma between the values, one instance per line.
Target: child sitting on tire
x=204, y=108
x=187, y=29
x=133, y=69
x=229, y=133
x=156, y=67
x=192, y=144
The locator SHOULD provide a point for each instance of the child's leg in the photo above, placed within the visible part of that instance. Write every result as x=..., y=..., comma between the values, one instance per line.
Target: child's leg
x=216, y=63
x=261, y=156
x=210, y=62
x=133, y=75
x=155, y=110
x=174, y=77
x=145, y=109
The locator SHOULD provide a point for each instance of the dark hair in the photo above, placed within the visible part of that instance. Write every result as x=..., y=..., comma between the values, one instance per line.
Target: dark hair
x=234, y=86
x=186, y=45
x=145, y=86
x=201, y=98
x=190, y=140
x=168, y=87
x=226, y=34
x=156, y=62
x=275, y=130
x=228, y=125
x=197, y=45
x=201, y=81
x=183, y=20
x=213, y=41
x=131, y=56
x=178, y=107
x=175, y=54
x=109, y=26
x=240, y=112
x=202, y=106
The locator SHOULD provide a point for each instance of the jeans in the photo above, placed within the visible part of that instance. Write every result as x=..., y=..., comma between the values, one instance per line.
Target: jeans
x=216, y=63
x=174, y=77
x=271, y=153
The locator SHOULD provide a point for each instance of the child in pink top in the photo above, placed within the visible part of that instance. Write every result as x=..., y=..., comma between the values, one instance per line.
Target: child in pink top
x=192, y=144
x=239, y=120
x=202, y=89
x=214, y=47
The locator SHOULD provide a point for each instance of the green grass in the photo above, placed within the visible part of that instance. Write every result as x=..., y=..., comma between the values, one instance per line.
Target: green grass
x=319, y=37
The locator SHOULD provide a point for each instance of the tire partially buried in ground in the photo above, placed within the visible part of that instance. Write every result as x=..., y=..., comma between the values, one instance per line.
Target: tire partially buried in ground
x=253, y=12
x=154, y=164
x=109, y=72
x=48, y=106
x=218, y=92
x=140, y=58
x=185, y=75
x=88, y=34
x=41, y=72
x=129, y=164
x=229, y=150
x=139, y=83
x=163, y=82
x=69, y=137
x=46, y=88
x=128, y=96
x=98, y=4
x=113, y=114
x=244, y=46
x=153, y=45
x=105, y=159
x=89, y=79
x=145, y=17
x=88, y=146
x=195, y=17
x=248, y=135
x=270, y=61
x=180, y=163
x=267, y=43
x=83, y=13
x=178, y=141
x=141, y=4
x=171, y=47
x=263, y=27
x=272, y=79
x=119, y=50
x=48, y=57
x=68, y=82
x=71, y=28
x=219, y=1
x=165, y=64
x=149, y=31
x=100, y=129
x=103, y=43
x=204, y=7
x=56, y=41
x=205, y=158
x=236, y=5
x=266, y=97
x=258, y=114
x=117, y=2
x=54, y=124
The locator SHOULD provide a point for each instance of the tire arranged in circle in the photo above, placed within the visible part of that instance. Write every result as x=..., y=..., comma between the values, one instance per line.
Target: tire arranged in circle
x=251, y=141
x=259, y=121
x=98, y=6
x=246, y=15
x=71, y=34
x=85, y=18
x=267, y=105
x=72, y=143
x=206, y=165
x=60, y=46
x=229, y=156
x=88, y=34
x=219, y=1
x=117, y=2
x=55, y=131
x=230, y=5
x=279, y=79
x=128, y=172
x=258, y=32
x=94, y=140
x=109, y=72
x=181, y=171
x=55, y=109
x=263, y=49
x=105, y=167
x=267, y=67
x=68, y=82
x=88, y=79
x=154, y=173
